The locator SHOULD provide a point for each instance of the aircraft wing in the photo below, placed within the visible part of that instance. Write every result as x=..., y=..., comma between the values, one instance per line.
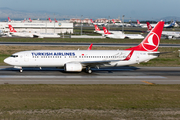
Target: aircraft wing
x=97, y=63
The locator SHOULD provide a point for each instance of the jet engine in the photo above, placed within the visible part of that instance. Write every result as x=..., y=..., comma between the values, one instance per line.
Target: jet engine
x=73, y=67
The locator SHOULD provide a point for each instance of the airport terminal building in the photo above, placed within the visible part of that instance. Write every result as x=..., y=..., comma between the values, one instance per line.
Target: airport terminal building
x=45, y=27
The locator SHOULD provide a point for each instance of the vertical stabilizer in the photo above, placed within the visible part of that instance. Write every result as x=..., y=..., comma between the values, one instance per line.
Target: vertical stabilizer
x=152, y=40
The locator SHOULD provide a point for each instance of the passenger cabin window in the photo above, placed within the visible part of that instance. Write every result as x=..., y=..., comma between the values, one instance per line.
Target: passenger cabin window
x=14, y=56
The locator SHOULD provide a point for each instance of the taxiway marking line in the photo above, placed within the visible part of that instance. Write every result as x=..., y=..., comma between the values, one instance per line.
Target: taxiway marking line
x=148, y=82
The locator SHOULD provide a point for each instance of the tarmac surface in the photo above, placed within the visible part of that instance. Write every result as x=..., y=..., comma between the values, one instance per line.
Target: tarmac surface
x=116, y=75
x=79, y=44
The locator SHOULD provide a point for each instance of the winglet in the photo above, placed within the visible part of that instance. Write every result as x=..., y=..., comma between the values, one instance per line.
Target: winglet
x=89, y=48
x=129, y=56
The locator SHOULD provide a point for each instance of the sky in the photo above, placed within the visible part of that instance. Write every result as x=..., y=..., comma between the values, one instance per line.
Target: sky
x=134, y=9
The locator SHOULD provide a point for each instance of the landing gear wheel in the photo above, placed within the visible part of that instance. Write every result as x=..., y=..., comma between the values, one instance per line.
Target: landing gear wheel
x=21, y=70
x=88, y=70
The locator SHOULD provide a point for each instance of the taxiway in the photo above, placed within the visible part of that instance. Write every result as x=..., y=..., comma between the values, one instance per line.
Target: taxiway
x=117, y=75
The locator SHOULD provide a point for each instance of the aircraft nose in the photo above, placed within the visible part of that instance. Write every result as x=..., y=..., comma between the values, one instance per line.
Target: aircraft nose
x=7, y=60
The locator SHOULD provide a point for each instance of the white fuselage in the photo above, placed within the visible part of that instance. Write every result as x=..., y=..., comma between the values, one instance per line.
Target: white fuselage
x=122, y=36
x=58, y=58
x=23, y=34
x=171, y=33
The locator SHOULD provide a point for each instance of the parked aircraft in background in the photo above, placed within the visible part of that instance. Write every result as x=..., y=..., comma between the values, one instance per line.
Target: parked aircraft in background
x=76, y=60
x=97, y=30
x=120, y=35
x=55, y=20
x=30, y=20
x=9, y=20
x=168, y=34
x=170, y=25
x=50, y=20
x=13, y=32
x=101, y=24
x=121, y=24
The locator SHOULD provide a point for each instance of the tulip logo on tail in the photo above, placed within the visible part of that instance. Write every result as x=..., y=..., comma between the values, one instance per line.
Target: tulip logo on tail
x=96, y=28
x=151, y=43
x=149, y=26
x=11, y=28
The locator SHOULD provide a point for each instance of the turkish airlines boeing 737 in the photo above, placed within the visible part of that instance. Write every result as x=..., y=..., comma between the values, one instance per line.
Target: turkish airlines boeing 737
x=76, y=60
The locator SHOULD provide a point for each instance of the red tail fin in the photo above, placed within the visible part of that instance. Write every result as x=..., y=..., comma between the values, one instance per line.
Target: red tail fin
x=138, y=22
x=96, y=28
x=106, y=31
x=30, y=20
x=149, y=27
x=89, y=48
x=9, y=19
x=11, y=29
x=152, y=40
x=55, y=20
x=113, y=21
x=50, y=19
x=92, y=21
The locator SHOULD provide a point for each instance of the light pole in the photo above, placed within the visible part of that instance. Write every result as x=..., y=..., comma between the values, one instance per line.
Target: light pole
x=123, y=23
x=54, y=23
x=109, y=23
x=46, y=23
x=81, y=24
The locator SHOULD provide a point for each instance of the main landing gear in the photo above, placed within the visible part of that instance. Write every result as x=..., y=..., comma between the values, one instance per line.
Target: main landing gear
x=88, y=70
x=21, y=70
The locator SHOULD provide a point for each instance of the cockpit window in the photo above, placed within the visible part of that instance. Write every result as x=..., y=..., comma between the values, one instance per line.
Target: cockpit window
x=14, y=56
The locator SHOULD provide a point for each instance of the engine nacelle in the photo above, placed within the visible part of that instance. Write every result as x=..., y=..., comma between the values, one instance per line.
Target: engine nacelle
x=73, y=67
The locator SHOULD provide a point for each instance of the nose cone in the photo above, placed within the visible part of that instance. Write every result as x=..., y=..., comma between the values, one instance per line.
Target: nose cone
x=7, y=60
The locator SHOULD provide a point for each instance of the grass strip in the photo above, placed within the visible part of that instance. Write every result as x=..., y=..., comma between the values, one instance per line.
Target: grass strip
x=89, y=101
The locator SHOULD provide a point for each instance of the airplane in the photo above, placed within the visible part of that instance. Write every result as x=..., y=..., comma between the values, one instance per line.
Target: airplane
x=77, y=60
x=9, y=20
x=101, y=24
x=30, y=20
x=111, y=35
x=55, y=20
x=97, y=30
x=13, y=32
x=121, y=24
x=168, y=34
x=171, y=25
x=50, y=20
x=120, y=35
